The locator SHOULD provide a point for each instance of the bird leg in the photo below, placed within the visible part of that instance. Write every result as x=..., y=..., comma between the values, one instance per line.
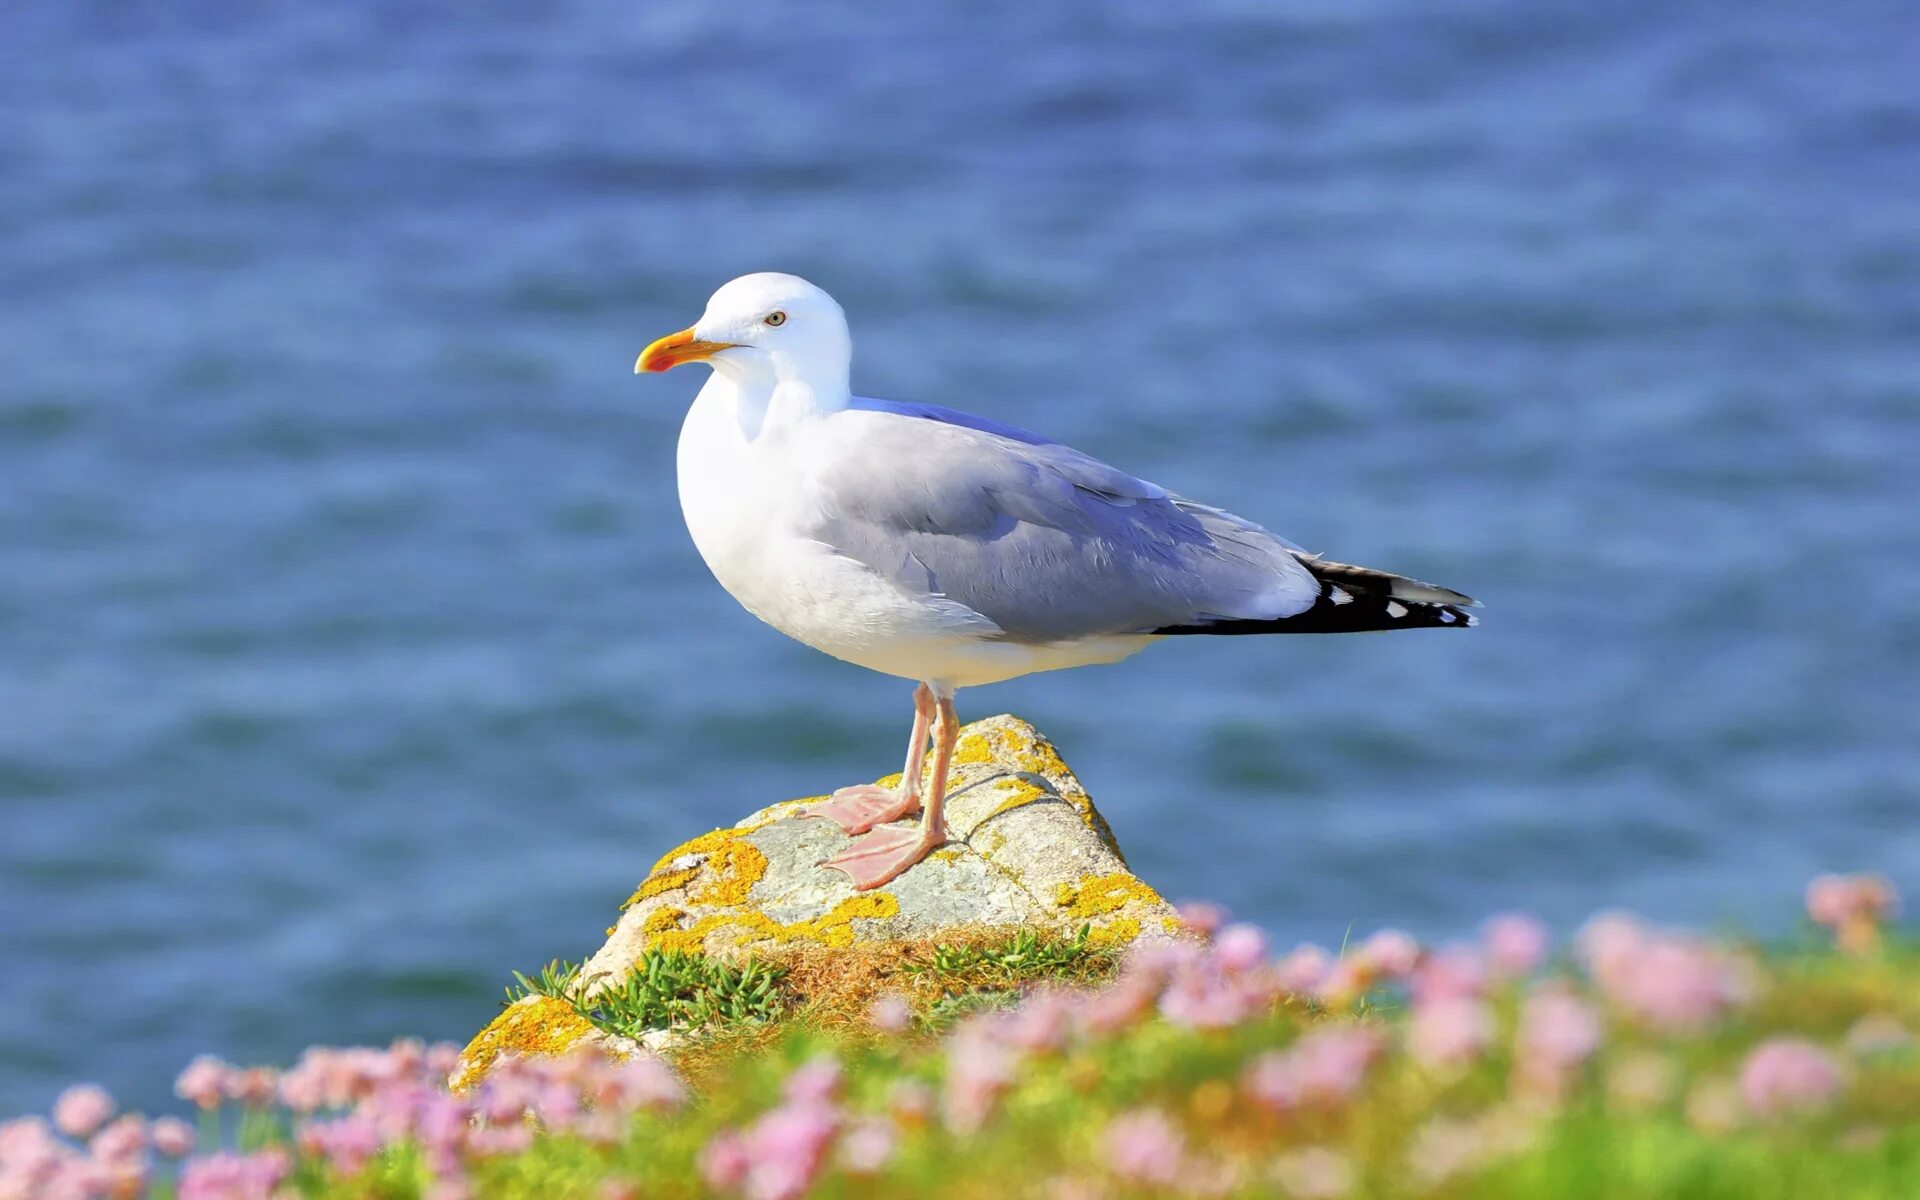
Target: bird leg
x=859, y=808
x=878, y=857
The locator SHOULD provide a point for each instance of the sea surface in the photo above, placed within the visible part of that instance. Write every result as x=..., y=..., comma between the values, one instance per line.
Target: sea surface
x=353, y=653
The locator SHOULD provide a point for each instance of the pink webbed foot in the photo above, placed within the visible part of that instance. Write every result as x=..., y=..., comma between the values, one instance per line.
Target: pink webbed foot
x=859, y=808
x=880, y=856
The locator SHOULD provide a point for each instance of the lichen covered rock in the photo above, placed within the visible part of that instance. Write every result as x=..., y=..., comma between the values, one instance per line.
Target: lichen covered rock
x=1028, y=849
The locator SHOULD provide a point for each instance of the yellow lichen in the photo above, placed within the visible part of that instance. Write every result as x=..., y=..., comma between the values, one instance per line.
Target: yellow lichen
x=663, y=881
x=1023, y=791
x=831, y=928
x=1116, y=932
x=659, y=921
x=1099, y=895
x=1037, y=755
x=733, y=869
x=706, y=843
x=973, y=748
x=536, y=1026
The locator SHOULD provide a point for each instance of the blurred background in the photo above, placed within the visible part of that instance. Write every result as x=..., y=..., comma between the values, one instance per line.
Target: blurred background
x=352, y=651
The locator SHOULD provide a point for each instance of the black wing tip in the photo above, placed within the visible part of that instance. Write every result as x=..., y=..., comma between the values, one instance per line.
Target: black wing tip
x=1338, y=610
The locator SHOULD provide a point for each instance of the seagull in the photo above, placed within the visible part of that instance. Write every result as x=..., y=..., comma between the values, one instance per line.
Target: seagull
x=955, y=551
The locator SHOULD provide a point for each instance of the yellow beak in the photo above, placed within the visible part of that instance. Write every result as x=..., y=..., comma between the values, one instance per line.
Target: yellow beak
x=676, y=348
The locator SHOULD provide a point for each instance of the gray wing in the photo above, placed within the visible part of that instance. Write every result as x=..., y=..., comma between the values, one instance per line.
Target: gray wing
x=1046, y=542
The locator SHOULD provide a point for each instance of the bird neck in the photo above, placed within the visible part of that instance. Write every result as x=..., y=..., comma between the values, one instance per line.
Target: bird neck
x=761, y=401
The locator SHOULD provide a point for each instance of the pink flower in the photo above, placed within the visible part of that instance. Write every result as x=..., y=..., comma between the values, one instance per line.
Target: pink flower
x=557, y=1105
x=1608, y=944
x=1677, y=985
x=979, y=1068
x=203, y=1082
x=1143, y=1146
x=303, y=1089
x=1449, y=1032
x=347, y=1143
x=28, y=1147
x=1303, y=970
x=234, y=1176
x=1557, y=1030
x=122, y=1141
x=254, y=1087
x=173, y=1137
x=1120, y=1004
x=1833, y=900
x=1787, y=1076
x=1514, y=944
x=724, y=1162
x=866, y=1147
x=81, y=1110
x=643, y=1081
x=1239, y=948
x=1331, y=1062
x=1326, y=1066
x=495, y=1141
x=1451, y=972
x=1853, y=907
x=1201, y=916
x=1201, y=999
x=1391, y=953
x=815, y=1082
x=1042, y=1022
x=443, y=1058
x=440, y=1126
x=891, y=1013
x=785, y=1149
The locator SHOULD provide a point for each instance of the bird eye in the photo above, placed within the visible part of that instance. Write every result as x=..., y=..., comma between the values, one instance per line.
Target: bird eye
x=775, y=319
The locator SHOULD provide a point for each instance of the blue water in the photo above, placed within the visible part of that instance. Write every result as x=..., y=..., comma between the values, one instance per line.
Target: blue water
x=352, y=652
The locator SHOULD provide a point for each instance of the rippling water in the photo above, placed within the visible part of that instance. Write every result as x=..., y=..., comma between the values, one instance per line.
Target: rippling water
x=352, y=652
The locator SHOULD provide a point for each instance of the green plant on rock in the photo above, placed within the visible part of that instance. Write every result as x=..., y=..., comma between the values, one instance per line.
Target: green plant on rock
x=978, y=976
x=667, y=989
x=1024, y=957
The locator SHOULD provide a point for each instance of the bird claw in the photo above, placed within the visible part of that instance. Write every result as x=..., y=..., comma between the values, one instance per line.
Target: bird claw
x=881, y=856
x=861, y=807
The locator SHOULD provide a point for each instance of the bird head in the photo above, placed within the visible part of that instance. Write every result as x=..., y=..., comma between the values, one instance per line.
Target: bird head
x=764, y=325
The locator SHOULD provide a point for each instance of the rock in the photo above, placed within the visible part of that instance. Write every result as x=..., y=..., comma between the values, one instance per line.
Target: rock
x=1028, y=850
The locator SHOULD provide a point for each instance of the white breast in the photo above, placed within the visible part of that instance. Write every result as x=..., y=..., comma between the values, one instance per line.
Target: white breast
x=742, y=497
x=739, y=496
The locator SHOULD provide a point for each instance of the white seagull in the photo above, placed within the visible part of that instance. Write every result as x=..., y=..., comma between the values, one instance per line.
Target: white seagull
x=955, y=551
